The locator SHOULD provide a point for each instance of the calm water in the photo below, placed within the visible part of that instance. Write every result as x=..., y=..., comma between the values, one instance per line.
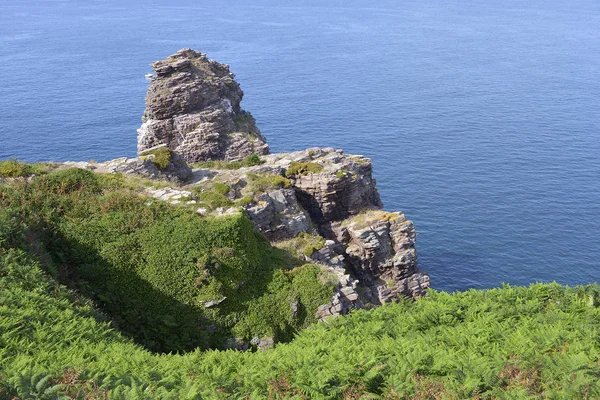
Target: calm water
x=482, y=117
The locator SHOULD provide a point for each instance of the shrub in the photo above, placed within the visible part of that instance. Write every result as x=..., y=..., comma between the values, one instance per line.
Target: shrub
x=64, y=181
x=162, y=157
x=163, y=274
x=303, y=168
x=221, y=188
x=14, y=169
x=252, y=160
x=213, y=200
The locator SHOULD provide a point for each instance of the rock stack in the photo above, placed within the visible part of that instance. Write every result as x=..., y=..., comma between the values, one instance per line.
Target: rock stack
x=193, y=107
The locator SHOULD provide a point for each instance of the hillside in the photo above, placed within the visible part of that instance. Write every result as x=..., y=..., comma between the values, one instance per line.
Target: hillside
x=141, y=273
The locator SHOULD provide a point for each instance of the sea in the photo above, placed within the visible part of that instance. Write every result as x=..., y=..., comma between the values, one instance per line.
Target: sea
x=482, y=117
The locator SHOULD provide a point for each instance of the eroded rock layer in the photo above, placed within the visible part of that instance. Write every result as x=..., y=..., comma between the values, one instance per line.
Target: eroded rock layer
x=193, y=106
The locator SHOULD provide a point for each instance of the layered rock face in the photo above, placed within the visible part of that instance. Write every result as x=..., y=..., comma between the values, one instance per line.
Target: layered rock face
x=193, y=107
x=380, y=249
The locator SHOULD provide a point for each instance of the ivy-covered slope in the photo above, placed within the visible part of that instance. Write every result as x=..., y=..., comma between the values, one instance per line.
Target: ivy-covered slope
x=164, y=275
x=109, y=245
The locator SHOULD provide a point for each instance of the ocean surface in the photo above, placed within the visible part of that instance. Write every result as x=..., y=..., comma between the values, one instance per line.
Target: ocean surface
x=482, y=117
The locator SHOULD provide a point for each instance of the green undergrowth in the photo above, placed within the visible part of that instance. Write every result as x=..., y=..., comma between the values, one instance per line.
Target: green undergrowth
x=303, y=168
x=165, y=276
x=249, y=161
x=17, y=169
x=511, y=342
x=161, y=156
x=97, y=285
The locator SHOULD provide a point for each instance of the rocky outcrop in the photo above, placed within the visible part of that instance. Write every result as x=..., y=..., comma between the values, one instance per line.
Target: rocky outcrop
x=177, y=170
x=334, y=194
x=342, y=188
x=278, y=215
x=193, y=107
x=380, y=250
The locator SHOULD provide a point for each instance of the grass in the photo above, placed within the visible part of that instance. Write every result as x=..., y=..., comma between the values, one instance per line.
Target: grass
x=304, y=244
x=17, y=169
x=261, y=183
x=303, y=168
x=249, y=161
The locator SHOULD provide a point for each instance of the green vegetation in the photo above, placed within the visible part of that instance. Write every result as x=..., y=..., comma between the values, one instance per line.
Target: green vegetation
x=213, y=200
x=163, y=275
x=303, y=168
x=16, y=169
x=221, y=188
x=341, y=173
x=97, y=284
x=250, y=161
x=304, y=244
x=162, y=156
x=511, y=342
x=260, y=183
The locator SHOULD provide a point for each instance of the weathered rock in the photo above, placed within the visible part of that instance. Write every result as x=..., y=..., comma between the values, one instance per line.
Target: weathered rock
x=380, y=250
x=343, y=187
x=193, y=106
x=263, y=343
x=177, y=170
x=278, y=215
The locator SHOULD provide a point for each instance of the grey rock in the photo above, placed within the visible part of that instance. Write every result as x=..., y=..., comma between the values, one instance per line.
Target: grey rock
x=278, y=215
x=380, y=250
x=176, y=171
x=193, y=106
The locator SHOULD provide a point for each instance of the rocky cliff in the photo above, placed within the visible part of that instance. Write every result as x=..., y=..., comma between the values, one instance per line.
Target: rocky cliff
x=319, y=204
x=193, y=107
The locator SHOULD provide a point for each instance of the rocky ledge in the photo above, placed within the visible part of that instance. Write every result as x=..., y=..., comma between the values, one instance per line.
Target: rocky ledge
x=193, y=107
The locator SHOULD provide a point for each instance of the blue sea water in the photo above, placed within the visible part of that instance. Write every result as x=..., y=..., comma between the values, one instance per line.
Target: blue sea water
x=482, y=117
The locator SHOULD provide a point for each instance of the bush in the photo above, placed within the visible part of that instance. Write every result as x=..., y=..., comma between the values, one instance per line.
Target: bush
x=303, y=168
x=213, y=200
x=221, y=188
x=65, y=181
x=162, y=157
x=13, y=169
x=252, y=160
x=17, y=169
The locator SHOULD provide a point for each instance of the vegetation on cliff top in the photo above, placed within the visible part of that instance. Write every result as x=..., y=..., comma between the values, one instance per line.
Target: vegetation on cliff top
x=164, y=275
x=81, y=255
